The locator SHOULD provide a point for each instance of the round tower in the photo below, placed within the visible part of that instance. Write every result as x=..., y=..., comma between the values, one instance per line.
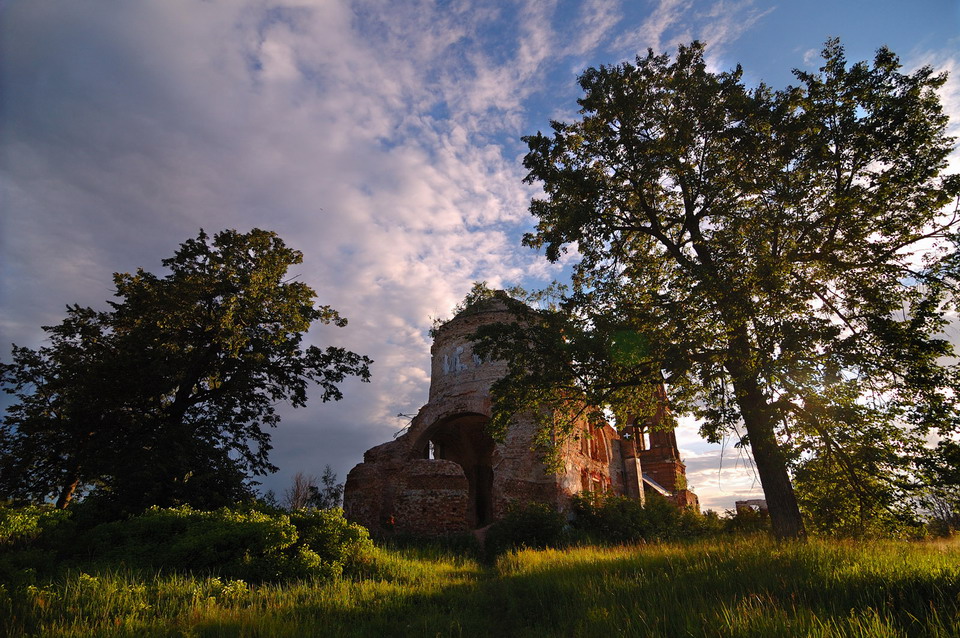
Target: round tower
x=455, y=369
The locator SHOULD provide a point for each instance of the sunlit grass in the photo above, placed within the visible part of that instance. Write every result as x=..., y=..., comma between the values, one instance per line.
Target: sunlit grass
x=708, y=588
x=745, y=588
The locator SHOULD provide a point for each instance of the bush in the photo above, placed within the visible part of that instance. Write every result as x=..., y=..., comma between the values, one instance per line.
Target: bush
x=747, y=520
x=20, y=526
x=535, y=526
x=710, y=523
x=604, y=518
x=249, y=545
x=943, y=527
x=29, y=537
x=344, y=545
x=236, y=544
x=242, y=543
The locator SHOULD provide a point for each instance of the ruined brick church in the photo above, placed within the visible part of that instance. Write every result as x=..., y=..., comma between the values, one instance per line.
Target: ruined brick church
x=446, y=474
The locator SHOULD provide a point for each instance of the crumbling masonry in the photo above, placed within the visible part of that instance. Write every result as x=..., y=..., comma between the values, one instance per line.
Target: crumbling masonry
x=446, y=474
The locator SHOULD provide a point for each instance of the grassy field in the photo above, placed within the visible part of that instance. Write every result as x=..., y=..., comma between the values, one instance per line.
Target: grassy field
x=746, y=587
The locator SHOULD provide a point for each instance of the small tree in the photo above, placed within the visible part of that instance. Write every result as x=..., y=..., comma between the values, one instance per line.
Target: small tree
x=329, y=494
x=168, y=397
x=855, y=492
x=940, y=496
x=297, y=496
x=306, y=491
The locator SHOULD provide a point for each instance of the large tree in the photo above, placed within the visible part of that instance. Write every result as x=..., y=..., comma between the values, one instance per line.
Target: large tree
x=168, y=396
x=782, y=260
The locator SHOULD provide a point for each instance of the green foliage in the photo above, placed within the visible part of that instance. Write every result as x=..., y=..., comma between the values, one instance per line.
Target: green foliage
x=246, y=544
x=168, y=397
x=334, y=539
x=748, y=521
x=556, y=367
x=174, y=538
x=855, y=494
x=29, y=538
x=235, y=544
x=606, y=518
x=22, y=525
x=534, y=525
x=782, y=260
x=940, y=471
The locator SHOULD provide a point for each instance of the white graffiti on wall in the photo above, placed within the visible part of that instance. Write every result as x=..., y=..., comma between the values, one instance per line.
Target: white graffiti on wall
x=453, y=362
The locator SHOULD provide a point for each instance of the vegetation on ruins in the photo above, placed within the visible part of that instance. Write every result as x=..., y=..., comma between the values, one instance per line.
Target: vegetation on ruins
x=167, y=398
x=783, y=260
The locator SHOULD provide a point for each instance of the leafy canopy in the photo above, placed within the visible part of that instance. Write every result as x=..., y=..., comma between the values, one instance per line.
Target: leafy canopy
x=168, y=396
x=784, y=260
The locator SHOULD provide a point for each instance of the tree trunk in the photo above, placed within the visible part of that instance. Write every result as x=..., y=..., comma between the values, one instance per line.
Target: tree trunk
x=771, y=464
x=66, y=493
x=72, y=479
x=772, y=468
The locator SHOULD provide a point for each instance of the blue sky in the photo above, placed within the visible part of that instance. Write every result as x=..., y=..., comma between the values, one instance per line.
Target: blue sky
x=382, y=139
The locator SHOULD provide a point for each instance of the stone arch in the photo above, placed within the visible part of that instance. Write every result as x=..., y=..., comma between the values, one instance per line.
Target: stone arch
x=463, y=439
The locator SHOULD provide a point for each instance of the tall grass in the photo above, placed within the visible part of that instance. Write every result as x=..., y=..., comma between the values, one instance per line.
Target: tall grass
x=744, y=588
x=705, y=588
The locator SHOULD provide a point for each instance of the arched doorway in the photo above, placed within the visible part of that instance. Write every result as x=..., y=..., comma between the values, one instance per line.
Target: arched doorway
x=463, y=439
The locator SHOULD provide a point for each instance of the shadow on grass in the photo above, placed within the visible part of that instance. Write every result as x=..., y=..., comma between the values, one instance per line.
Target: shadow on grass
x=697, y=589
x=672, y=590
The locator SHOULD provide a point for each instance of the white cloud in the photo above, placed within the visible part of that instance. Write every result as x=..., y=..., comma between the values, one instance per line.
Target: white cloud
x=719, y=474
x=658, y=26
x=723, y=24
x=673, y=22
x=595, y=22
x=811, y=57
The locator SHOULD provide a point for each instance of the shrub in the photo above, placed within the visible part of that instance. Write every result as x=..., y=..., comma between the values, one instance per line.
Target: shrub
x=605, y=518
x=237, y=544
x=242, y=543
x=747, y=520
x=943, y=527
x=29, y=537
x=336, y=541
x=710, y=522
x=250, y=544
x=535, y=526
x=23, y=525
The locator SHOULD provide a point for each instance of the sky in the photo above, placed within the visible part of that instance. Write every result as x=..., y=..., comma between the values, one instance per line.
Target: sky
x=381, y=139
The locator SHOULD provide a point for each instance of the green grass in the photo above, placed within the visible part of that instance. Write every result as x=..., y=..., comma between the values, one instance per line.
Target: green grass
x=747, y=587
